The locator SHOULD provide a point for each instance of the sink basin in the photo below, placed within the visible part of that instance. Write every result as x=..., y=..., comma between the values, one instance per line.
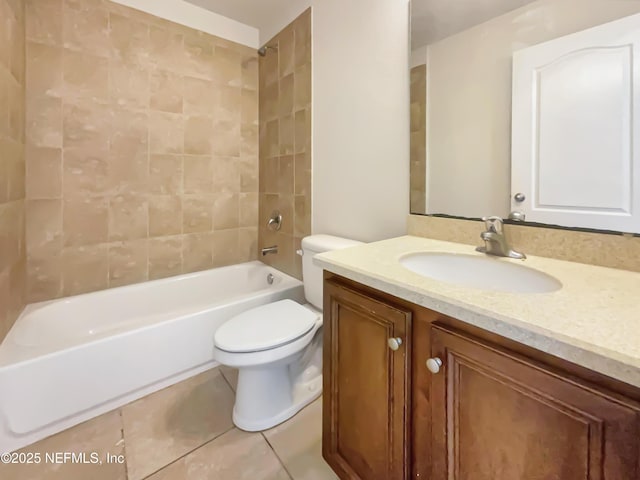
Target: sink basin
x=484, y=272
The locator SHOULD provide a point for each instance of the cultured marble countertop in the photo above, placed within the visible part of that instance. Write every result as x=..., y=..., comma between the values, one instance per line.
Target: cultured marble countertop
x=593, y=320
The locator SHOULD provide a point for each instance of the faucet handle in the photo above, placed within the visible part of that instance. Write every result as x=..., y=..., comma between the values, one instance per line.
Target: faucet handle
x=493, y=224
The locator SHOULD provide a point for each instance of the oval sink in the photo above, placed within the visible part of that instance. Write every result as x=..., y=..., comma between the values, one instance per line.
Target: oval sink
x=484, y=272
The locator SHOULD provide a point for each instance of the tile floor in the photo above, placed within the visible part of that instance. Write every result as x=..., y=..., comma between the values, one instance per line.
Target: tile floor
x=184, y=432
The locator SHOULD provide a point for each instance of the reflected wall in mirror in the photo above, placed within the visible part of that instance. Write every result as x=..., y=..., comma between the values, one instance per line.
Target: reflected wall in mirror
x=527, y=97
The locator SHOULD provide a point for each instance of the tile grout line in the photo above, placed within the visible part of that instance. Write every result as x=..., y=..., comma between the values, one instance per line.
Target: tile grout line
x=124, y=445
x=276, y=454
x=188, y=453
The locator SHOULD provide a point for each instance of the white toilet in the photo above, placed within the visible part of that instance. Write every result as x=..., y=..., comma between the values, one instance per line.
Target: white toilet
x=277, y=348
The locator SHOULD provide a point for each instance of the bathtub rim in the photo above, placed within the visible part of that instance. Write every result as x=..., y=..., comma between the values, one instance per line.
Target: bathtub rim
x=26, y=354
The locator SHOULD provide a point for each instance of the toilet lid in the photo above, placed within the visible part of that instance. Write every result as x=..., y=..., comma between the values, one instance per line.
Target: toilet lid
x=265, y=327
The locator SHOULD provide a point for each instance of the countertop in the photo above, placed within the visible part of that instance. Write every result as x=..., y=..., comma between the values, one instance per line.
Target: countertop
x=593, y=320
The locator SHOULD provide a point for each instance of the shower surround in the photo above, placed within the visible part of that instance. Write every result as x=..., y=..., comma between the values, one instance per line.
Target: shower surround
x=142, y=148
x=12, y=163
x=285, y=142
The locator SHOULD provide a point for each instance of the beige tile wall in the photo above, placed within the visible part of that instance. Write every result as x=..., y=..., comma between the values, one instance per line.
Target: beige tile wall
x=615, y=251
x=418, y=126
x=12, y=163
x=285, y=142
x=142, y=148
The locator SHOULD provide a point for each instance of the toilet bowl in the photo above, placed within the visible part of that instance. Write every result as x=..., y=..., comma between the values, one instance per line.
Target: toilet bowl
x=277, y=348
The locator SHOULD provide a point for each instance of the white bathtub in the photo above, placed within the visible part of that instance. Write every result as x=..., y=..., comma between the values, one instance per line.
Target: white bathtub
x=69, y=360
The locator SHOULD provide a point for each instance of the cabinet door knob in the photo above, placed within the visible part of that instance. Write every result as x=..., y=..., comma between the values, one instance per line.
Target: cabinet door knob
x=394, y=343
x=434, y=364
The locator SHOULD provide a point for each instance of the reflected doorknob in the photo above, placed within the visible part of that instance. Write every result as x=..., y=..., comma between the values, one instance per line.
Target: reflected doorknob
x=434, y=364
x=394, y=343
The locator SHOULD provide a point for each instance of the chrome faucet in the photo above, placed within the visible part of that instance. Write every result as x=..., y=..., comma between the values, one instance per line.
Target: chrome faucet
x=495, y=241
x=268, y=250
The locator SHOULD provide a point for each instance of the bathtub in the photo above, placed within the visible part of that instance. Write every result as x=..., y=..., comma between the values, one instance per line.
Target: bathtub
x=69, y=360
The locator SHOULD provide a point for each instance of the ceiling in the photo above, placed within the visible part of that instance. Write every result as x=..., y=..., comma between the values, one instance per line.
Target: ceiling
x=433, y=20
x=250, y=12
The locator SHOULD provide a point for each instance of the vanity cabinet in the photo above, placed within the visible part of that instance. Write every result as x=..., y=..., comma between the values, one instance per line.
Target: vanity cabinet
x=366, y=385
x=486, y=408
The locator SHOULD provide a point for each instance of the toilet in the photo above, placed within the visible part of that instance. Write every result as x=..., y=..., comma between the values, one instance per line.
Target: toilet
x=277, y=348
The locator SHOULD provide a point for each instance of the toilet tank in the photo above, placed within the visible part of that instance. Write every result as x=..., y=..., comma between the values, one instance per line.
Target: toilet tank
x=311, y=273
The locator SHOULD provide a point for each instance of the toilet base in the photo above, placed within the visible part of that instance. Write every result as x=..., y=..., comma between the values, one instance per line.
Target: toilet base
x=268, y=397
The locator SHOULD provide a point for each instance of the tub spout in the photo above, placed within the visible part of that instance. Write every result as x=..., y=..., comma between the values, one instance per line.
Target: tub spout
x=268, y=250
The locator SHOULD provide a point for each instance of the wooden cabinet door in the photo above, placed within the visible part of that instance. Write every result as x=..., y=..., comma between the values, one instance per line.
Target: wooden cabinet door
x=366, y=386
x=499, y=416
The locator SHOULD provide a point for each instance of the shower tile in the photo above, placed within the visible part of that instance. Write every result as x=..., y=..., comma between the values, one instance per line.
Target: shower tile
x=128, y=38
x=248, y=167
x=286, y=51
x=128, y=84
x=225, y=247
x=102, y=435
x=168, y=424
x=248, y=244
x=44, y=172
x=85, y=171
x=197, y=252
x=86, y=30
x=85, y=221
x=298, y=444
x=226, y=174
x=128, y=133
x=128, y=262
x=249, y=140
x=198, y=174
x=84, y=269
x=286, y=95
x=302, y=215
x=86, y=76
x=44, y=23
x=44, y=225
x=197, y=213
x=249, y=209
x=128, y=217
x=302, y=28
x=165, y=174
x=166, y=132
x=226, y=211
x=199, y=96
x=44, y=275
x=302, y=97
x=225, y=138
x=235, y=455
x=166, y=91
x=44, y=64
x=165, y=215
x=44, y=122
x=250, y=73
x=287, y=134
x=230, y=105
x=285, y=175
x=302, y=181
x=165, y=257
x=228, y=70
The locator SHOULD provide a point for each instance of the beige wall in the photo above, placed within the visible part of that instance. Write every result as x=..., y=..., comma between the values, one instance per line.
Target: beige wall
x=614, y=251
x=285, y=142
x=469, y=91
x=142, y=143
x=12, y=163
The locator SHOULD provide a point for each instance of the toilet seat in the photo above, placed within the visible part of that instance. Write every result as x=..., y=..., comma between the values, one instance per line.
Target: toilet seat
x=265, y=327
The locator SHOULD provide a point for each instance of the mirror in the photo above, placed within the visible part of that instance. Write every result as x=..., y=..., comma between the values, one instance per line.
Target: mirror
x=527, y=106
